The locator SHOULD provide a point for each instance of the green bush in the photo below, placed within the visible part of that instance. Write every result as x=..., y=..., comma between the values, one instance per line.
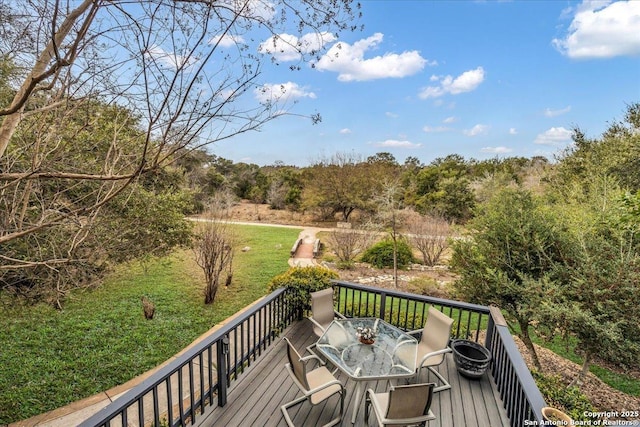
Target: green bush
x=346, y=265
x=303, y=280
x=568, y=399
x=427, y=286
x=380, y=255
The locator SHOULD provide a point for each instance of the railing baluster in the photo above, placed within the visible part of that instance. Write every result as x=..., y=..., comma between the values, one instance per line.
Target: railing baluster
x=156, y=406
x=192, y=411
x=141, y=411
x=201, y=360
x=180, y=394
x=169, y=401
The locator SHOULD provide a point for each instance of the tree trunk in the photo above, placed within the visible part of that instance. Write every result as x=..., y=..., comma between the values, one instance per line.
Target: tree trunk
x=395, y=261
x=526, y=339
x=577, y=381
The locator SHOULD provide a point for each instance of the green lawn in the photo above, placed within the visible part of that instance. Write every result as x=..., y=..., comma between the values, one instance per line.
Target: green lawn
x=50, y=358
x=619, y=381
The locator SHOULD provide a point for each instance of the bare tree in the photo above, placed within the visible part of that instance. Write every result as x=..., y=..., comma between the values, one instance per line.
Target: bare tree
x=430, y=235
x=389, y=205
x=348, y=243
x=109, y=93
x=214, y=254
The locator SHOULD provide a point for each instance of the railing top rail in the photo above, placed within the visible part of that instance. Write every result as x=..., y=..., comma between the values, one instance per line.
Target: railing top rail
x=172, y=367
x=432, y=300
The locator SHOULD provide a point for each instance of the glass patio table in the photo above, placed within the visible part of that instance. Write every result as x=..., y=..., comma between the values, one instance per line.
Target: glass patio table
x=391, y=355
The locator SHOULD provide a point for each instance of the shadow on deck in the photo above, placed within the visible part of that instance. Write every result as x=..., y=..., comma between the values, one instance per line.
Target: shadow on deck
x=256, y=396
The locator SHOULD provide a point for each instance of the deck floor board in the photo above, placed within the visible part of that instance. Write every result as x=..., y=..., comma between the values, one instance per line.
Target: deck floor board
x=255, y=398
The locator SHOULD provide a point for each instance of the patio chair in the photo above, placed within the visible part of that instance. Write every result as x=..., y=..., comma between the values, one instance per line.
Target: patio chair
x=401, y=405
x=317, y=385
x=433, y=345
x=322, y=312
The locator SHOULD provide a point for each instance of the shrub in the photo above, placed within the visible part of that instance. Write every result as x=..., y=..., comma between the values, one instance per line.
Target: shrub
x=380, y=255
x=303, y=280
x=569, y=399
x=346, y=265
x=427, y=286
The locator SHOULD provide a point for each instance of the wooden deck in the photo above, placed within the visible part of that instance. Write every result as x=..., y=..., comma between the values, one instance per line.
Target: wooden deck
x=255, y=398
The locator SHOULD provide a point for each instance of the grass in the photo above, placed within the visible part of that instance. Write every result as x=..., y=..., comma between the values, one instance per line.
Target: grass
x=100, y=339
x=409, y=315
x=618, y=380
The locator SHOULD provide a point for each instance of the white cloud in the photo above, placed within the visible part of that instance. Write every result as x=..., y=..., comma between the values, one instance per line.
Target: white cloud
x=281, y=91
x=394, y=143
x=554, y=113
x=554, y=136
x=513, y=131
x=450, y=120
x=287, y=47
x=601, y=29
x=465, y=82
x=496, y=150
x=226, y=40
x=262, y=10
x=349, y=61
x=392, y=115
x=345, y=131
x=169, y=59
x=430, y=129
x=476, y=130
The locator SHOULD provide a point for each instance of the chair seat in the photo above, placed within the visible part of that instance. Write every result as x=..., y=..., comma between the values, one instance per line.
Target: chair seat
x=317, y=385
x=318, y=377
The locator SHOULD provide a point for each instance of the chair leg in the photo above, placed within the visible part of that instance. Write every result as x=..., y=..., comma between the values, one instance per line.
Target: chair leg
x=286, y=406
x=301, y=399
x=338, y=419
x=367, y=408
x=445, y=384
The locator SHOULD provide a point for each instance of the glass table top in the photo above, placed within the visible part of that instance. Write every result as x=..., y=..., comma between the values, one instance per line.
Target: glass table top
x=392, y=354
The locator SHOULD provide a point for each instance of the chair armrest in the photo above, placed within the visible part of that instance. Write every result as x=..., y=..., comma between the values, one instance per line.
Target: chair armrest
x=311, y=357
x=433, y=353
x=371, y=391
x=415, y=332
x=325, y=385
x=338, y=314
x=316, y=323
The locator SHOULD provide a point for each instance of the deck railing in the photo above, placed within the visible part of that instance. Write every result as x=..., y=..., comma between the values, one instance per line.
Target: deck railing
x=520, y=395
x=179, y=392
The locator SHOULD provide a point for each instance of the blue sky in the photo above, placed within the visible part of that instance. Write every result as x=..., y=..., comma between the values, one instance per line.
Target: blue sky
x=476, y=78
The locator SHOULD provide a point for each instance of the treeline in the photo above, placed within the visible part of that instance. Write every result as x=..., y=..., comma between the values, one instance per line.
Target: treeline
x=67, y=219
x=337, y=186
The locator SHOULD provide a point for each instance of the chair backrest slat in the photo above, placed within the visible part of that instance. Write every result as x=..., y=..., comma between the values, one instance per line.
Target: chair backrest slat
x=298, y=367
x=437, y=329
x=322, y=306
x=410, y=401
